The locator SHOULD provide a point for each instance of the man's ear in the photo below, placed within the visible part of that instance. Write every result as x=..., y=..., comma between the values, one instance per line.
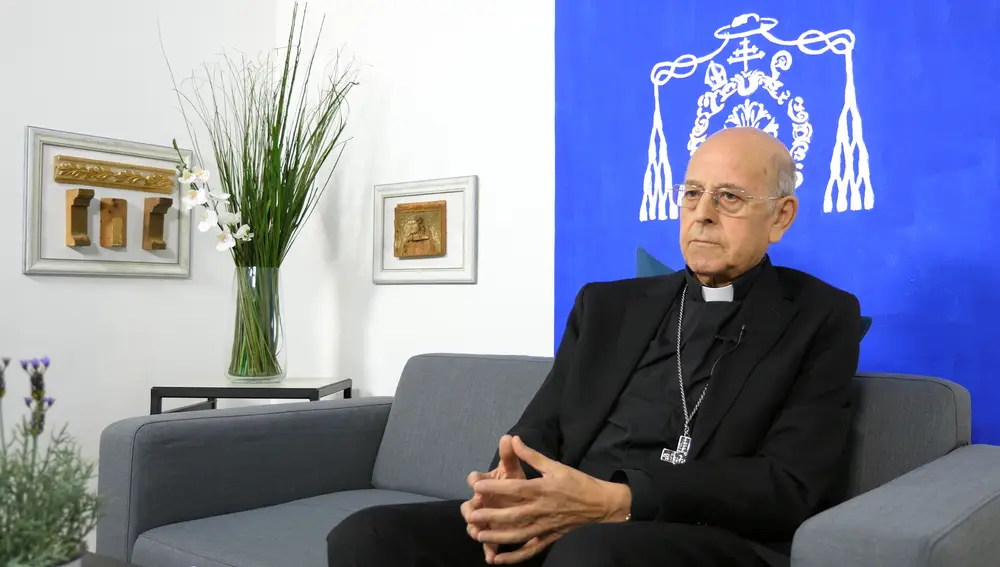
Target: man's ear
x=783, y=217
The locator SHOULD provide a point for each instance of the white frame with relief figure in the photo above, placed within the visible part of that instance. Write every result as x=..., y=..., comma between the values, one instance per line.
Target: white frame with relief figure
x=451, y=256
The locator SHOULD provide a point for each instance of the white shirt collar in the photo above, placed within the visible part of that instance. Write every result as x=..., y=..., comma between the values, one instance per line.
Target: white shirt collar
x=724, y=294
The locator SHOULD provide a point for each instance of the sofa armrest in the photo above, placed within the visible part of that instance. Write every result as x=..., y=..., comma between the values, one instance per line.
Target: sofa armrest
x=161, y=469
x=944, y=513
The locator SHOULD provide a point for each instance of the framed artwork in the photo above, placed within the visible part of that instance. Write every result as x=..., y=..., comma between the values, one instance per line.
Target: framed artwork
x=103, y=207
x=426, y=231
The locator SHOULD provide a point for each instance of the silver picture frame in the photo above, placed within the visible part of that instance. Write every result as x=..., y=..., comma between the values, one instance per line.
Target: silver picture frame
x=38, y=174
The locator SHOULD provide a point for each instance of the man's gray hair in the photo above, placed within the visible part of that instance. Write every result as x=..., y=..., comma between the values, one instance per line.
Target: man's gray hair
x=785, y=174
x=786, y=179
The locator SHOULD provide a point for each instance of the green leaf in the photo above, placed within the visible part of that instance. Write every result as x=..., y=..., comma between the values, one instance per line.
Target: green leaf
x=276, y=138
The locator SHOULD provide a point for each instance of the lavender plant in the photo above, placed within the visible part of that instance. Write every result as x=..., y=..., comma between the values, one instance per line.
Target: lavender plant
x=46, y=505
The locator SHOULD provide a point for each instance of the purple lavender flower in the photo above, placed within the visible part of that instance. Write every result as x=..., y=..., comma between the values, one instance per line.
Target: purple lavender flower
x=36, y=374
x=4, y=362
x=37, y=386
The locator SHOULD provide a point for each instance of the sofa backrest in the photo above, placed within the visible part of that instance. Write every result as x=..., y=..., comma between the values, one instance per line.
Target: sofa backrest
x=902, y=422
x=451, y=409
x=447, y=416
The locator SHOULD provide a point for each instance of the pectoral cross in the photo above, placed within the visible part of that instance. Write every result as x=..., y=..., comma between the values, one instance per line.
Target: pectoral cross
x=679, y=455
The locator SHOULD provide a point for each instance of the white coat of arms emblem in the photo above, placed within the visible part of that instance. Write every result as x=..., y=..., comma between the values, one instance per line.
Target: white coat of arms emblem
x=849, y=185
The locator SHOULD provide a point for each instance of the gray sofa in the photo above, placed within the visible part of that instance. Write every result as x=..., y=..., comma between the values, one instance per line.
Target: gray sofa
x=262, y=486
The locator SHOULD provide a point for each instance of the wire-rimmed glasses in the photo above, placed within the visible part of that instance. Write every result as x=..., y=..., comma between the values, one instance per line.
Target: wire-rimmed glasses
x=728, y=201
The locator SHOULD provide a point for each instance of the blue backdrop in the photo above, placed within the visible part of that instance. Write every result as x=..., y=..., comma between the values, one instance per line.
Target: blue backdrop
x=892, y=115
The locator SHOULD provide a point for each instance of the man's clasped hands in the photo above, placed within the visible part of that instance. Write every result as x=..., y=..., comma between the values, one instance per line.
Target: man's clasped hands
x=508, y=508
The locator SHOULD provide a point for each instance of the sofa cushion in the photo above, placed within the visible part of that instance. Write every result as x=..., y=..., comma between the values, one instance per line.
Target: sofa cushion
x=447, y=418
x=288, y=534
x=647, y=266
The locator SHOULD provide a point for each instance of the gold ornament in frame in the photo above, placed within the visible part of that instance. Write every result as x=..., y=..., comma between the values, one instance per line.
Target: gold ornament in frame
x=421, y=229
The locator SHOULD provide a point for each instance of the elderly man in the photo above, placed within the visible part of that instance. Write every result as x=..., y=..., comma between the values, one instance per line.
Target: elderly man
x=695, y=419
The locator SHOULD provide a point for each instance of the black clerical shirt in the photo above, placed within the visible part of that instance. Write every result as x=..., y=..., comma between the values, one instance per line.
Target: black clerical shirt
x=648, y=415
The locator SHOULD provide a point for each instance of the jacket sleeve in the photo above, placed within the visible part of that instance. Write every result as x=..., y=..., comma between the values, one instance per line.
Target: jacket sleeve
x=768, y=495
x=539, y=425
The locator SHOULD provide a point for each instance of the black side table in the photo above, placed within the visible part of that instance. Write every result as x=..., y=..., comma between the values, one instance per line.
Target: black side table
x=311, y=389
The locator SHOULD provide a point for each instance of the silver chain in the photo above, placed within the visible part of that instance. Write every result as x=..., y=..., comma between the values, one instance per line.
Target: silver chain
x=680, y=378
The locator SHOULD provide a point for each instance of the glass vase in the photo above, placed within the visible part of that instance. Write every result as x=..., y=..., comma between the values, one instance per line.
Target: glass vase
x=258, y=354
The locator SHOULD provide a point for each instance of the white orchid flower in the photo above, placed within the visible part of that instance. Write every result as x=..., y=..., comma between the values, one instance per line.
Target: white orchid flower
x=225, y=217
x=218, y=195
x=208, y=220
x=225, y=240
x=196, y=175
x=243, y=233
x=194, y=197
x=187, y=177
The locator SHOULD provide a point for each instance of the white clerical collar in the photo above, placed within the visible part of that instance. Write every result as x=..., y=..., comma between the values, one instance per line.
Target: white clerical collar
x=724, y=294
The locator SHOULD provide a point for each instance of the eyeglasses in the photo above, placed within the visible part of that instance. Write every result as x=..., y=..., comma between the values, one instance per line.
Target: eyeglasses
x=728, y=201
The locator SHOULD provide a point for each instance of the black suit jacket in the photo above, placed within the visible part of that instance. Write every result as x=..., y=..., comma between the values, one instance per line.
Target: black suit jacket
x=772, y=430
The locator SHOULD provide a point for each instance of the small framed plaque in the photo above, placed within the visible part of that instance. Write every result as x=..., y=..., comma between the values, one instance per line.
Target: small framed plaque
x=425, y=231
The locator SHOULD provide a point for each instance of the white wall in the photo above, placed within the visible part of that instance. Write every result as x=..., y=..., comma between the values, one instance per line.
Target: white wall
x=448, y=88
x=96, y=67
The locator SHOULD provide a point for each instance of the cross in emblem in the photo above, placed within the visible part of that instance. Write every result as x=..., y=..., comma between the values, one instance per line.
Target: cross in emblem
x=745, y=53
x=677, y=456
